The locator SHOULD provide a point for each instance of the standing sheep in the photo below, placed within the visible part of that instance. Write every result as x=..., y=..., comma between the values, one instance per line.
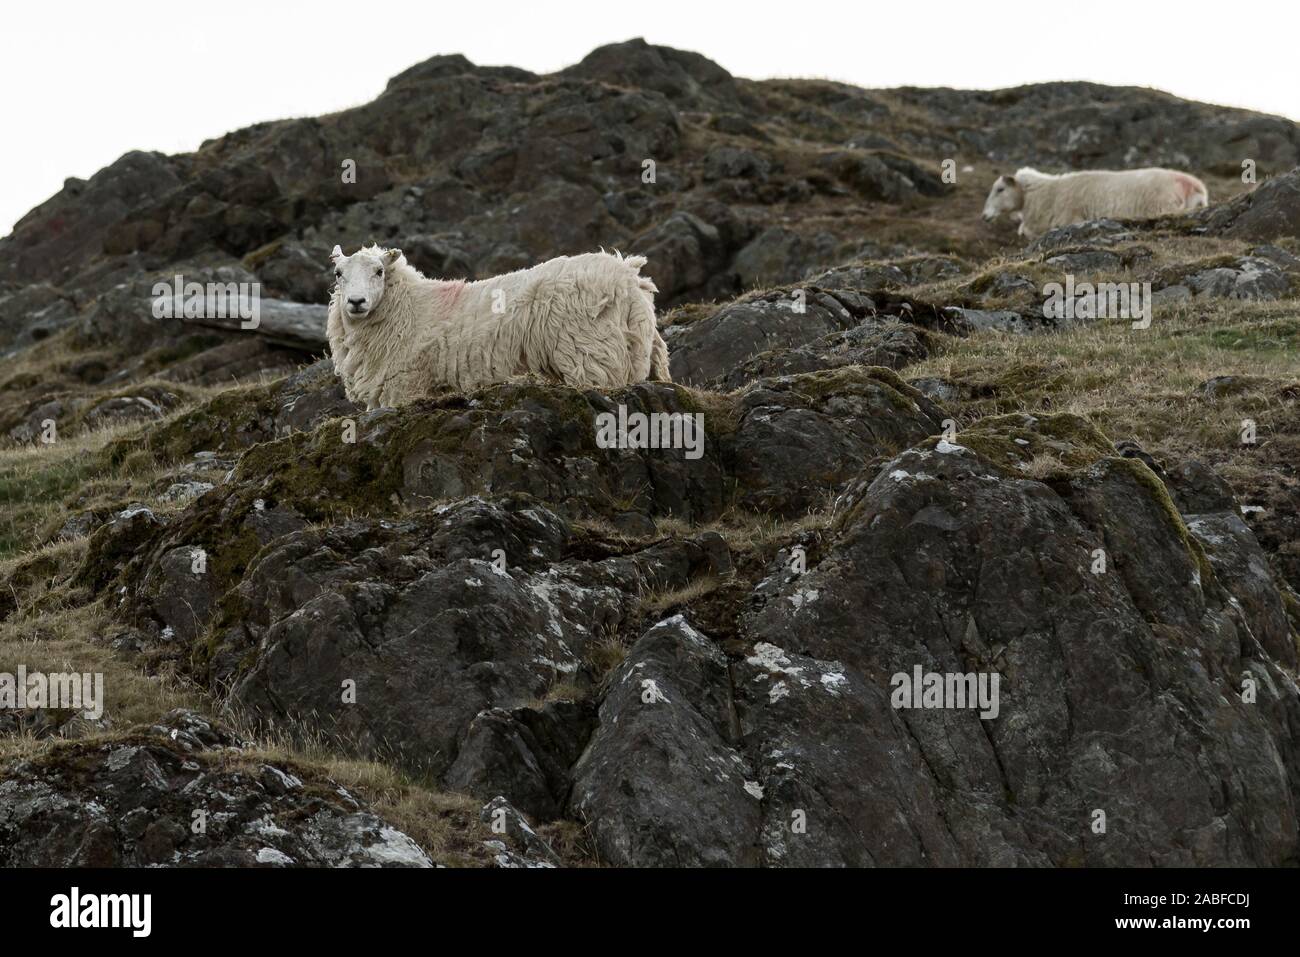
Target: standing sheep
x=1045, y=201
x=395, y=336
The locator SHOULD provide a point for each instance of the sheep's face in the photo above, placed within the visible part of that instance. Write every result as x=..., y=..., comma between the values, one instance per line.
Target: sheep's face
x=1006, y=196
x=359, y=279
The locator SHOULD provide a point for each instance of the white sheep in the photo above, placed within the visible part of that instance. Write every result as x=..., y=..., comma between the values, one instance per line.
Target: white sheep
x=395, y=336
x=1045, y=201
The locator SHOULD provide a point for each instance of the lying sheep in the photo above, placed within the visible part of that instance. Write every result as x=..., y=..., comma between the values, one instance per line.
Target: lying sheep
x=395, y=336
x=1045, y=201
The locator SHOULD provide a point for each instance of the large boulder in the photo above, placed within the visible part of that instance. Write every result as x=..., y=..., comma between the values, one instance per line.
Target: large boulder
x=802, y=438
x=524, y=752
x=1270, y=211
x=892, y=345
x=661, y=783
x=1096, y=688
x=1119, y=733
x=686, y=254
x=709, y=348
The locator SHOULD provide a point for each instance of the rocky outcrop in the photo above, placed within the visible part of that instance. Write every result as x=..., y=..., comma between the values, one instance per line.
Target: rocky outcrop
x=1245, y=277
x=796, y=756
x=815, y=326
x=397, y=646
x=1271, y=211
x=570, y=630
x=182, y=794
x=541, y=442
x=464, y=642
x=1077, y=125
x=890, y=344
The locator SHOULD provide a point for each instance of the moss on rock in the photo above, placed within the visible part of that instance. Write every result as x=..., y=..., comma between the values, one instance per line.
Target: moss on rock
x=1016, y=439
x=1159, y=494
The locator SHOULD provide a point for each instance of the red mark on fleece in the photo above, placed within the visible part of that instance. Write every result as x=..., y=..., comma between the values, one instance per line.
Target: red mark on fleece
x=448, y=292
x=1187, y=186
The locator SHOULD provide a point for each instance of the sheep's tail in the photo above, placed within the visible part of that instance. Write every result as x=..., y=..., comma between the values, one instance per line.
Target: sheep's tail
x=643, y=329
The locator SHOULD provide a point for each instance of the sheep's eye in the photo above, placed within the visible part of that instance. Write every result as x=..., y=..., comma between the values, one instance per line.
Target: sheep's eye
x=338, y=274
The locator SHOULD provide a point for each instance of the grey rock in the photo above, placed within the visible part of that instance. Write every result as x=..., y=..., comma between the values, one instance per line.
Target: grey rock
x=184, y=491
x=889, y=344
x=89, y=210
x=33, y=427
x=1278, y=256
x=1004, y=320
x=710, y=348
x=1077, y=125
x=1196, y=488
x=1086, y=261
x=523, y=754
x=938, y=390
x=131, y=803
x=862, y=277
x=32, y=313
x=78, y=526
x=298, y=273
x=1248, y=278
x=115, y=543
x=292, y=323
x=1269, y=212
x=782, y=255
x=727, y=162
x=985, y=792
x=883, y=175
x=1099, y=232
x=685, y=78
x=434, y=636
x=1242, y=567
x=684, y=252
x=662, y=782
x=1175, y=293
x=123, y=409
x=923, y=269
x=1228, y=385
x=842, y=420
x=500, y=814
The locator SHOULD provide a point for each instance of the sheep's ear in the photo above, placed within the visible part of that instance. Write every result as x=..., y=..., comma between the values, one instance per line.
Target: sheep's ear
x=1011, y=181
x=391, y=256
x=337, y=254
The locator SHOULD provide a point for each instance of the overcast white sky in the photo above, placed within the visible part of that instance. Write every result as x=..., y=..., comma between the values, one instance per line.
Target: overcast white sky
x=86, y=81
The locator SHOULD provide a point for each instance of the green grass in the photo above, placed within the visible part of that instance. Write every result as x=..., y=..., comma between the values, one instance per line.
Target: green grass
x=34, y=481
x=1281, y=336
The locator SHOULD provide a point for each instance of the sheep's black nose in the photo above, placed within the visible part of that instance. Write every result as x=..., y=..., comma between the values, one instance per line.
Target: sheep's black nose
x=357, y=302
